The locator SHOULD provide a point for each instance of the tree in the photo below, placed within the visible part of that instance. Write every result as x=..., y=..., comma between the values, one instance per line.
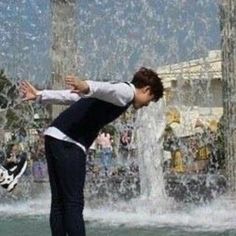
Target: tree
x=64, y=45
x=228, y=44
x=14, y=114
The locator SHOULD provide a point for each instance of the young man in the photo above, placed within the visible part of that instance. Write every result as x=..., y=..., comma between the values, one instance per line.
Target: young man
x=95, y=104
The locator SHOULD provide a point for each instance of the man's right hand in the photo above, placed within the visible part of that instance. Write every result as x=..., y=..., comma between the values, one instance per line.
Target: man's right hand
x=28, y=91
x=77, y=85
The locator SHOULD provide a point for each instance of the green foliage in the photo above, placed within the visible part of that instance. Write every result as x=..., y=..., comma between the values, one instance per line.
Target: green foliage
x=4, y=81
x=14, y=113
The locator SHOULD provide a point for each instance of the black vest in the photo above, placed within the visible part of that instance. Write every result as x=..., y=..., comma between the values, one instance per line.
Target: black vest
x=83, y=120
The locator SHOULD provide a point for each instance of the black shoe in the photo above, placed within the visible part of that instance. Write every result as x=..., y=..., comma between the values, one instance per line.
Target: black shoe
x=10, y=173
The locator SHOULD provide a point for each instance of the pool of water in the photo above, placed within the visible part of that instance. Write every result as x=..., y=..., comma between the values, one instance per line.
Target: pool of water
x=38, y=226
x=139, y=217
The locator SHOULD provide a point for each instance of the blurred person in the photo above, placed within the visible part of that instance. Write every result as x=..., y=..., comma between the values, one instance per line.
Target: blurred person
x=13, y=167
x=104, y=142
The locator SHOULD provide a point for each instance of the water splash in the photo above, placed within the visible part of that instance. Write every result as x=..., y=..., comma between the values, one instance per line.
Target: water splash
x=150, y=130
x=115, y=38
x=219, y=215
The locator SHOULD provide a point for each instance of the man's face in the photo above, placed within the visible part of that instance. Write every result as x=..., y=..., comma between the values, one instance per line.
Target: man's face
x=15, y=149
x=143, y=97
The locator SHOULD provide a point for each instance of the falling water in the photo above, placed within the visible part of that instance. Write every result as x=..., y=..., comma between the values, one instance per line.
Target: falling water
x=115, y=39
x=150, y=131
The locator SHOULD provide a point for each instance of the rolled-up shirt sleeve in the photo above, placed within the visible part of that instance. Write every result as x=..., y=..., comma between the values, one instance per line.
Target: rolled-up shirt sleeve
x=63, y=97
x=119, y=93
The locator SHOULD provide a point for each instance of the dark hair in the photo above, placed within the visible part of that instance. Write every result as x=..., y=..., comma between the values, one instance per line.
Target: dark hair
x=147, y=77
x=9, y=148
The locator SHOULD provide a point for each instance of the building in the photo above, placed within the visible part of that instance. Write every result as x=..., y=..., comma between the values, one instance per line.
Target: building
x=195, y=89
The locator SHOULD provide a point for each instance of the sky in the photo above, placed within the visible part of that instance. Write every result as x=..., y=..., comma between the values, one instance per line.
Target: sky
x=114, y=38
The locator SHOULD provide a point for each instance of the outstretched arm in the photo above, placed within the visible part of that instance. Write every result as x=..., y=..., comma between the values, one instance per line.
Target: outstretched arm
x=30, y=93
x=119, y=94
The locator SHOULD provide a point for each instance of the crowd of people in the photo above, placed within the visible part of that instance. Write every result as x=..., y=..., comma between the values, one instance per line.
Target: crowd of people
x=102, y=160
x=111, y=156
x=198, y=152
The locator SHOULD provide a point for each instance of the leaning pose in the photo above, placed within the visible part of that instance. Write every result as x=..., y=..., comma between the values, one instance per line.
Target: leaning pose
x=67, y=139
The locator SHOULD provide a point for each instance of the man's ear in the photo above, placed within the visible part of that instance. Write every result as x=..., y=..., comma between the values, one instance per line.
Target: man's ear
x=146, y=89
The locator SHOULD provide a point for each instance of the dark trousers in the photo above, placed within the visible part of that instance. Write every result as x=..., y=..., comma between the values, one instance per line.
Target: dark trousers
x=66, y=168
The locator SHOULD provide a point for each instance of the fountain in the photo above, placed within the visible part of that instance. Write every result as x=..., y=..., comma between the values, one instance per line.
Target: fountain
x=114, y=39
x=150, y=131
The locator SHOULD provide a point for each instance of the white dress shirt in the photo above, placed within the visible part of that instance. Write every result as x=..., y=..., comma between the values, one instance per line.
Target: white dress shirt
x=119, y=94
